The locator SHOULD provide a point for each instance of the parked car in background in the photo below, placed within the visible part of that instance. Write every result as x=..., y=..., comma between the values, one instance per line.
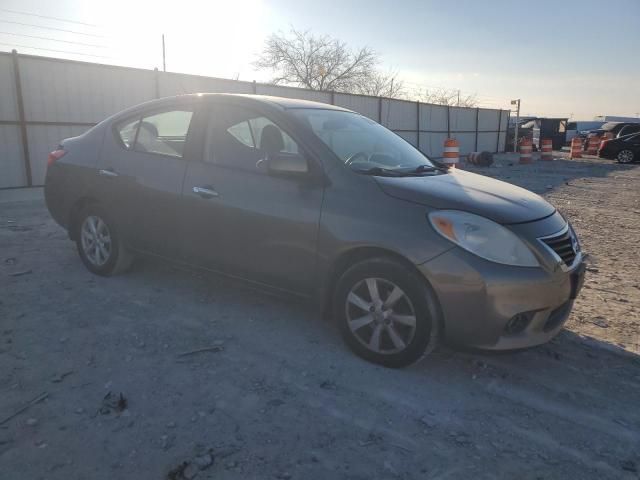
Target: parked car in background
x=628, y=129
x=576, y=129
x=614, y=128
x=320, y=202
x=624, y=149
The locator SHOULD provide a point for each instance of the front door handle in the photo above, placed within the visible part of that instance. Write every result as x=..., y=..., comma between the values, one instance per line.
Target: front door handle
x=107, y=173
x=206, y=191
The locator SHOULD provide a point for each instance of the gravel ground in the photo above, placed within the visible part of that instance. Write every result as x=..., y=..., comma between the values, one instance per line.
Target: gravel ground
x=277, y=395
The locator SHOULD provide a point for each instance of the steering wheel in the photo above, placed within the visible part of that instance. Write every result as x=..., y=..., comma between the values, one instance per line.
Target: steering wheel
x=352, y=158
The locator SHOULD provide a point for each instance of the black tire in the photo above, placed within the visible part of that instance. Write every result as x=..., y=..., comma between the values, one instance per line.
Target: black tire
x=119, y=259
x=625, y=156
x=420, y=295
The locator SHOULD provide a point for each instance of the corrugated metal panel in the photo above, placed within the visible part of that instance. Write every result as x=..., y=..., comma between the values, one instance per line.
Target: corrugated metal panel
x=367, y=106
x=42, y=140
x=505, y=120
x=462, y=119
x=64, y=91
x=433, y=117
x=179, y=84
x=488, y=121
x=432, y=144
x=8, y=101
x=487, y=142
x=410, y=137
x=399, y=114
x=278, y=91
x=56, y=91
x=467, y=142
x=12, y=172
x=503, y=141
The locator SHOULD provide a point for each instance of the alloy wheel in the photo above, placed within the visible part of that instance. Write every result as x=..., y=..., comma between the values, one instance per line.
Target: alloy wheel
x=380, y=316
x=96, y=240
x=625, y=156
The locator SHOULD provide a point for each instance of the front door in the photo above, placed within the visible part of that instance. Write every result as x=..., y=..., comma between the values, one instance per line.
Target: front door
x=241, y=220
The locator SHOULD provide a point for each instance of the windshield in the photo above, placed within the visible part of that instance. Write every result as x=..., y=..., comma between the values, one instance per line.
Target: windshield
x=361, y=143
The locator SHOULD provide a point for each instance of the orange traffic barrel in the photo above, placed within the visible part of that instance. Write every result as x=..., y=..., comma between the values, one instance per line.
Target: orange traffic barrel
x=451, y=152
x=593, y=142
x=546, y=148
x=576, y=148
x=526, y=147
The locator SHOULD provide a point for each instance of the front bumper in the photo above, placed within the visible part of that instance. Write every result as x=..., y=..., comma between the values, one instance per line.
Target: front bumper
x=479, y=300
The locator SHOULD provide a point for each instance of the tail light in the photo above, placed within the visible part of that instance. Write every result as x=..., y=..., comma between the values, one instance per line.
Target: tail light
x=55, y=155
x=603, y=144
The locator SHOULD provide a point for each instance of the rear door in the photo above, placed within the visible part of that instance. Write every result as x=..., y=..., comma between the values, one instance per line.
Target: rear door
x=144, y=169
x=241, y=220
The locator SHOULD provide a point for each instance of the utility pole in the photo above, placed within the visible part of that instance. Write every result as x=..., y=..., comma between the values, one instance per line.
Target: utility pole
x=164, y=61
x=458, y=97
x=515, y=135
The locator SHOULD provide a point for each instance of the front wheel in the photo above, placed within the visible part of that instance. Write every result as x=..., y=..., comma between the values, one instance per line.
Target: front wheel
x=386, y=313
x=625, y=156
x=99, y=243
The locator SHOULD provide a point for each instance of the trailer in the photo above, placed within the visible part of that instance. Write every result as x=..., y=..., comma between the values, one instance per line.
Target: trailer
x=615, y=118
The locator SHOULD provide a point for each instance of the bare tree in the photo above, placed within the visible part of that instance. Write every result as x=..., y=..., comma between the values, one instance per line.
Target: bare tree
x=317, y=62
x=382, y=84
x=448, y=96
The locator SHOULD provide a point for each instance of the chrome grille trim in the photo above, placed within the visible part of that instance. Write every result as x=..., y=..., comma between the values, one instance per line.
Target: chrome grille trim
x=564, y=248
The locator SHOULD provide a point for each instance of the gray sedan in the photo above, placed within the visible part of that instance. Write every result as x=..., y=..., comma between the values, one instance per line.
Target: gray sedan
x=323, y=203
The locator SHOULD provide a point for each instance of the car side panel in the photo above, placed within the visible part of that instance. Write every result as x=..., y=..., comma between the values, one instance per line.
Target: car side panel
x=72, y=178
x=356, y=210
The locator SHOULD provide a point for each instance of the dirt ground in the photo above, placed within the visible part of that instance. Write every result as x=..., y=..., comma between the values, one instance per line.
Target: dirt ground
x=277, y=395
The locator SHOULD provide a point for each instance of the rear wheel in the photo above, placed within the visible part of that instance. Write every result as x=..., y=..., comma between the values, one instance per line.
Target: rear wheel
x=386, y=312
x=625, y=156
x=99, y=243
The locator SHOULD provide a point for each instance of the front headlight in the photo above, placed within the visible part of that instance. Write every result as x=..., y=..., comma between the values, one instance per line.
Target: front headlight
x=482, y=237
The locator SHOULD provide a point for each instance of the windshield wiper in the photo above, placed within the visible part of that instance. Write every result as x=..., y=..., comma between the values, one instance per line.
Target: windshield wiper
x=380, y=172
x=424, y=168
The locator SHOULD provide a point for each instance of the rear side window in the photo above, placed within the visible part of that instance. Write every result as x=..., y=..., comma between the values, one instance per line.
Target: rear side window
x=164, y=133
x=127, y=132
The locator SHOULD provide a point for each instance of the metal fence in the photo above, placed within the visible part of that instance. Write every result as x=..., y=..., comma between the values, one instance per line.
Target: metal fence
x=43, y=100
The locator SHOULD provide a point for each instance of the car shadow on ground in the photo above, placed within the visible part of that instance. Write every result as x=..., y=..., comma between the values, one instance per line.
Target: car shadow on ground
x=567, y=358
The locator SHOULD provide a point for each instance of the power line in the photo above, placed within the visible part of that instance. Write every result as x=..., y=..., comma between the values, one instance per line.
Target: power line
x=54, y=39
x=46, y=16
x=52, y=28
x=13, y=45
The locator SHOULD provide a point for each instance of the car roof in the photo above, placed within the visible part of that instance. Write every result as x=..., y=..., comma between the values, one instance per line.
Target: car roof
x=277, y=102
x=282, y=102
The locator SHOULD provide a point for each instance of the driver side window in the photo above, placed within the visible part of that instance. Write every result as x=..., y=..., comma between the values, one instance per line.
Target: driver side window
x=241, y=138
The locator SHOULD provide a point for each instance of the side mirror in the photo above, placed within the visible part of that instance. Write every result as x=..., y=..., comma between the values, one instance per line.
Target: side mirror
x=288, y=164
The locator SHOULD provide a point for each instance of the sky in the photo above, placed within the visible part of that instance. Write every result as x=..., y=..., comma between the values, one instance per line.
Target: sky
x=570, y=58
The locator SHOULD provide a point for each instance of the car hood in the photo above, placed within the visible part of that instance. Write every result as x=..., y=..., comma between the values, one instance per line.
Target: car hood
x=458, y=190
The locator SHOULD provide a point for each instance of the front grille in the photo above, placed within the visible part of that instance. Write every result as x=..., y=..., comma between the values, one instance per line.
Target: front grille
x=563, y=246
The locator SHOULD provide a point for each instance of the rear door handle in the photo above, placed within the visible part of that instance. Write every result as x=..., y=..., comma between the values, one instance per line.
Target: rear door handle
x=107, y=173
x=206, y=191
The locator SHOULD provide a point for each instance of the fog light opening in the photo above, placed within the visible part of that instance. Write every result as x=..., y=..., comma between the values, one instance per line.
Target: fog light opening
x=517, y=323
